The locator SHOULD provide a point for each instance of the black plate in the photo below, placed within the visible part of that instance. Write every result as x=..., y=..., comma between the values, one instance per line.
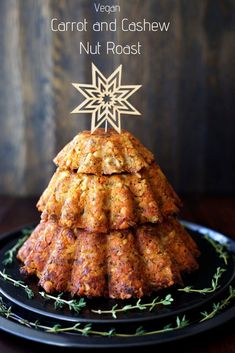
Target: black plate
x=79, y=341
x=75, y=340
x=182, y=301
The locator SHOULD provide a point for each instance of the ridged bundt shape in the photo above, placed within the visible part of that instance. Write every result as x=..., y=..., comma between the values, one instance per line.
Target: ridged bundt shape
x=103, y=203
x=120, y=264
x=104, y=153
x=108, y=223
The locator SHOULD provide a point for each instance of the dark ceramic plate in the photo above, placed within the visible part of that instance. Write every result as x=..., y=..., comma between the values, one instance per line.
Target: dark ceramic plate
x=208, y=263
x=36, y=309
x=79, y=341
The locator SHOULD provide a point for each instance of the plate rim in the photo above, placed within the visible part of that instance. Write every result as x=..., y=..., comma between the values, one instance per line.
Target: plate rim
x=88, y=342
x=61, y=340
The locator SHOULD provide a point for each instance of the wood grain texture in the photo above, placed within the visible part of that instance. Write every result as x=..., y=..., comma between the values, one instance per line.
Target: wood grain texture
x=186, y=100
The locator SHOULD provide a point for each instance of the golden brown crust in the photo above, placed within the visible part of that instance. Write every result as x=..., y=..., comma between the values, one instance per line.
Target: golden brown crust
x=89, y=268
x=108, y=226
x=31, y=242
x=103, y=203
x=57, y=270
x=169, y=201
x=119, y=264
x=159, y=269
x=125, y=279
x=104, y=153
x=178, y=244
x=39, y=250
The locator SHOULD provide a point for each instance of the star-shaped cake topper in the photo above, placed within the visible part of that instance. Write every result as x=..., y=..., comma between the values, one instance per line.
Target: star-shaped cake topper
x=106, y=99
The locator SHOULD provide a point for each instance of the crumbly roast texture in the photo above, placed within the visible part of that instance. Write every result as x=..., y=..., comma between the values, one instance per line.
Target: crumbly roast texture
x=103, y=203
x=108, y=225
x=120, y=264
x=104, y=153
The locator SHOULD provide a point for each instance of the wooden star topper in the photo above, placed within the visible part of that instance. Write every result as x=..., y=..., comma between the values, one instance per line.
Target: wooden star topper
x=106, y=99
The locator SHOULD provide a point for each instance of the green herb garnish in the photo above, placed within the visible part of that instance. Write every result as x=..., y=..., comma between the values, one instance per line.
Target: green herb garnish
x=140, y=306
x=19, y=284
x=214, y=284
x=59, y=303
x=9, y=255
x=219, y=248
x=217, y=307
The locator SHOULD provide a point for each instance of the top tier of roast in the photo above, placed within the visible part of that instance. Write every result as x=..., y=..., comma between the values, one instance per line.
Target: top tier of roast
x=104, y=153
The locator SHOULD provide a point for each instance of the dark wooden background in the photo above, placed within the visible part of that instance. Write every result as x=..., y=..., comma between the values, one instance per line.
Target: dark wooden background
x=186, y=99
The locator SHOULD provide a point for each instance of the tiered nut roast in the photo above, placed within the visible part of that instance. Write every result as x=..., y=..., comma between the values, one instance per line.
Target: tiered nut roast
x=108, y=224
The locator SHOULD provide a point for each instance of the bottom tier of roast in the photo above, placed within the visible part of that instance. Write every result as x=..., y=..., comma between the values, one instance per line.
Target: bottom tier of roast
x=120, y=264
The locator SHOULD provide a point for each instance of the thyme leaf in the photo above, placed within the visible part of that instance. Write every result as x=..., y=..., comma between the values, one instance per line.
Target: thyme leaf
x=16, y=283
x=217, y=307
x=214, y=284
x=59, y=303
x=219, y=248
x=140, y=331
x=27, y=231
x=9, y=255
x=139, y=305
x=86, y=330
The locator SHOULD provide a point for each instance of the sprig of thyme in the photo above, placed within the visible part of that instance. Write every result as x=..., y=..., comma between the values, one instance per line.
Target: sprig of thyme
x=217, y=307
x=219, y=248
x=9, y=255
x=4, y=310
x=115, y=309
x=16, y=283
x=78, y=305
x=87, y=329
x=59, y=303
x=214, y=284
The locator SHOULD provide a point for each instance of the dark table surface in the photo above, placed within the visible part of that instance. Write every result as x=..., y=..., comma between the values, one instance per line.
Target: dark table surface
x=213, y=212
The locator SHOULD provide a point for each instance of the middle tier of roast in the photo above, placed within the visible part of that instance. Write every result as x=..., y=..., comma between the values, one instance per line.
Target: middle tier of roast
x=102, y=203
